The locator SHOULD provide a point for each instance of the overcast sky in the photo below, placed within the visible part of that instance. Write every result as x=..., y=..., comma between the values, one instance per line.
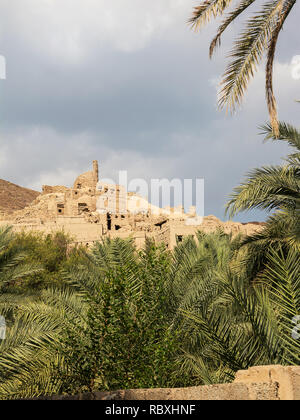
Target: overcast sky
x=127, y=82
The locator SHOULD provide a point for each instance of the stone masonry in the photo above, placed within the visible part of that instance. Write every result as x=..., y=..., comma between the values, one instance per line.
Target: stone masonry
x=92, y=210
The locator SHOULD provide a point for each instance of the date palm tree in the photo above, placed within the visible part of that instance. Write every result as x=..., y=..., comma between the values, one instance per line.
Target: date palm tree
x=105, y=328
x=259, y=36
x=123, y=306
x=274, y=188
x=232, y=326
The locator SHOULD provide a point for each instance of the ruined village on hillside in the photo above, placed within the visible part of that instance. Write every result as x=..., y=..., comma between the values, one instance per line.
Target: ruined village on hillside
x=93, y=210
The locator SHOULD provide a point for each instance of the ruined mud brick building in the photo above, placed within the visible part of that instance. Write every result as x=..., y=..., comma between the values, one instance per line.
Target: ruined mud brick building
x=92, y=210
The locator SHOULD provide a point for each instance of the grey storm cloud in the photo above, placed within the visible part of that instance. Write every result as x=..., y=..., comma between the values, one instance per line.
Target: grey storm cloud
x=130, y=85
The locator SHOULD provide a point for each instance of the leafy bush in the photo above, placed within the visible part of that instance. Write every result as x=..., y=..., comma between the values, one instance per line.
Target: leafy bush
x=151, y=318
x=49, y=251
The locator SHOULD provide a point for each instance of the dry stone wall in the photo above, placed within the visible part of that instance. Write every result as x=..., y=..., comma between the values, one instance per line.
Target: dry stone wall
x=273, y=383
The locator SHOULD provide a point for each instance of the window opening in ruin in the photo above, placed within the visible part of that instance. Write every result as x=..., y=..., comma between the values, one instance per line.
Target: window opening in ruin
x=161, y=224
x=82, y=208
x=108, y=221
x=60, y=208
x=179, y=238
x=117, y=227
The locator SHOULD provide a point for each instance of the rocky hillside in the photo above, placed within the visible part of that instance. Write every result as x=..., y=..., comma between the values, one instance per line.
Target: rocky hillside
x=13, y=197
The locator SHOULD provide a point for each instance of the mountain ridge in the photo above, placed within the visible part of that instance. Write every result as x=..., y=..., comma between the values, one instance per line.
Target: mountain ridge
x=13, y=197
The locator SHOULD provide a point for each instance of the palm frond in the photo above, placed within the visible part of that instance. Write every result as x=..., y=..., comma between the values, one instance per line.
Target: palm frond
x=208, y=9
x=247, y=53
x=266, y=188
x=259, y=36
x=242, y=6
x=287, y=133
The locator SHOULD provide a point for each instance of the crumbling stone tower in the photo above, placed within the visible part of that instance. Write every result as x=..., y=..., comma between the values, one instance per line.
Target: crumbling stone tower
x=96, y=172
x=88, y=180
